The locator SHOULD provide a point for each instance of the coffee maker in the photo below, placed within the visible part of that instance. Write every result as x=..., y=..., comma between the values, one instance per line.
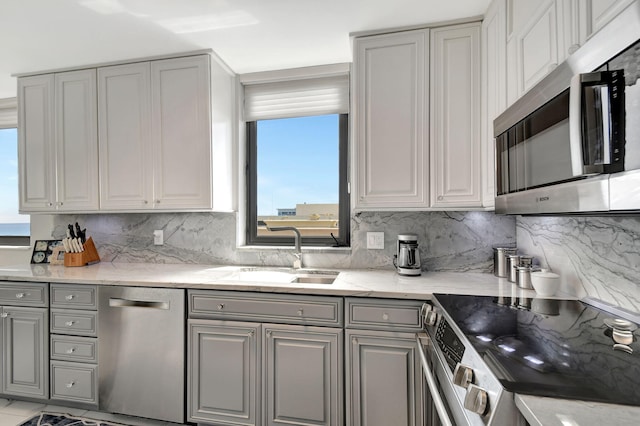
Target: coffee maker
x=407, y=258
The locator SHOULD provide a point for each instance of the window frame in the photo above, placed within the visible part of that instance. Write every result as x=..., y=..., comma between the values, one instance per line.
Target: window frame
x=344, y=209
x=8, y=105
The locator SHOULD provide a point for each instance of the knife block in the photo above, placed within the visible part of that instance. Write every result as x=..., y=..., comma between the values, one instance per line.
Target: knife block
x=89, y=255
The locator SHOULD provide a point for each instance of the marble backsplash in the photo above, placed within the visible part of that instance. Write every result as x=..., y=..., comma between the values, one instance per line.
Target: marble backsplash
x=595, y=256
x=449, y=241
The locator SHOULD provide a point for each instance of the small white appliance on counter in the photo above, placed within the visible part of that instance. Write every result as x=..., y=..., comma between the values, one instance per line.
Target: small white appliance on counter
x=407, y=258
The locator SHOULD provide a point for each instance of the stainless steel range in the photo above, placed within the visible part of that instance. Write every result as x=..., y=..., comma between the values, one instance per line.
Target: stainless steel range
x=482, y=350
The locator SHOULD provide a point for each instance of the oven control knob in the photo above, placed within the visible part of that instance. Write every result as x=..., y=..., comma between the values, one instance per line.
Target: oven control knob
x=476, y=400
x=462, y=376
x=430, y=318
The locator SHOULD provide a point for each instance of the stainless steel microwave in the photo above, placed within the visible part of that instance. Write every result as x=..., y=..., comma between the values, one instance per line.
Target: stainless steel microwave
x=571, y=144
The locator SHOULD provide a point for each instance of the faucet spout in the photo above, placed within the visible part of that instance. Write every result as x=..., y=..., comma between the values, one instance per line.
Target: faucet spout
x=297, y=238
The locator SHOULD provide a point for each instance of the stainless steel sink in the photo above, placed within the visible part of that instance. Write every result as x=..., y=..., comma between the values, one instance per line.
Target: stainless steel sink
x=314, y=279
x=302, y=276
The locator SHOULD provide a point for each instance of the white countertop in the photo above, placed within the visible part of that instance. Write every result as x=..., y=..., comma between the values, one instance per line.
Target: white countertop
x=541, y=411
x=350, y=282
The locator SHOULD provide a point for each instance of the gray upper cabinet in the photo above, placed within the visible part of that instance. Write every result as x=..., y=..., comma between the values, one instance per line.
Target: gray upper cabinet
x=25, y=352
x=224, y=371
x=57, y=142
x=126, y=160
x=391, y=101
x=302, y=375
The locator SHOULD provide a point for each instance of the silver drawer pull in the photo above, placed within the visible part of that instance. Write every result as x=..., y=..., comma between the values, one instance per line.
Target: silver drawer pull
x=114, y=302
x=4, y=315
x=220, y=306
x=71, y=350
x=385, y=316
x=70, y=297
x=69, y=323
x=300, y=312
x=70, y=384
x=19, y=295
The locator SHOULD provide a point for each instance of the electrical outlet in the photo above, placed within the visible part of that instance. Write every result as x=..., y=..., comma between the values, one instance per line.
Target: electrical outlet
x=158, y=237
x=375, y=240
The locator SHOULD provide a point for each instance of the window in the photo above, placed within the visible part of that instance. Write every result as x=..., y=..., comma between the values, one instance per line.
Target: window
x=14, y=227
x=297, y=161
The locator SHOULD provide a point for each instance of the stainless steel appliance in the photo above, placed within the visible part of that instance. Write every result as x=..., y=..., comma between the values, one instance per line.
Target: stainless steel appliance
x=571, y=144
x=479, y=351
x=141, y=351
x=407, y=258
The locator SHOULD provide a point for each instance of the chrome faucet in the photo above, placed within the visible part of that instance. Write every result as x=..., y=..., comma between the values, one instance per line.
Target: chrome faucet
x=297, y=264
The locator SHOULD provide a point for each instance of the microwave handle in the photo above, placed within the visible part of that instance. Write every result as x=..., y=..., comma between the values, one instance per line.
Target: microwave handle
x=575, y=126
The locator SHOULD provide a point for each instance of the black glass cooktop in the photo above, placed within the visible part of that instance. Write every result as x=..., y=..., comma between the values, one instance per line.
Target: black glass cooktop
x=546, y=347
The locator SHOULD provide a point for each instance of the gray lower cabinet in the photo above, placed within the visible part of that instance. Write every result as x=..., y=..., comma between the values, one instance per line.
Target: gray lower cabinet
x=224, y=371
x=302, y=375
x=383, y=384
x=25, y=352
x=24, y=324
x=247, y=366
x=74, y=345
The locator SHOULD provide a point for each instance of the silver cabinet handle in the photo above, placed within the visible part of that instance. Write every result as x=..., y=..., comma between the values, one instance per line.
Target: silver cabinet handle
x=69, y=323
x=220, y=306
x=69, y=297
x=251, y=333
x=385, y=316
x=4, y=315
x=19, y=295
x=71, y=350
x=431, y=381
x=70, y=384
x=300, y=312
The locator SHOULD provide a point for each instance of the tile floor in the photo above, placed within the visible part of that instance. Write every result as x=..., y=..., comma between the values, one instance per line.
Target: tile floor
x=13, y=413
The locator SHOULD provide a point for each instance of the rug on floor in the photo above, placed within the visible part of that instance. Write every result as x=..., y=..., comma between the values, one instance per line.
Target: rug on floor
x=59, y=419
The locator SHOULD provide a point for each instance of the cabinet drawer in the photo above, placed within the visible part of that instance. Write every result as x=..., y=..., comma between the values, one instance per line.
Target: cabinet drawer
x=73, y=296
x=384, y=314
x=23, y=294
x=66, y=321
x=74, y=382
x=290, y=309
x=71, y=348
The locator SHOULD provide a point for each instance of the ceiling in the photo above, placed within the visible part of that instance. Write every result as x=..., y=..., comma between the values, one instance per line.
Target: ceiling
x=249, y=35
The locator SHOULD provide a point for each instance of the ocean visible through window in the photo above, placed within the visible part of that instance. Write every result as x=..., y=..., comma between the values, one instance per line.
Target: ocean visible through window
x=12, y=224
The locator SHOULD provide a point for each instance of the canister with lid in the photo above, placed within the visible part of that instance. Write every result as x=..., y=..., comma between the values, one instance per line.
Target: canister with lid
x=523, y=277
x=500, y=260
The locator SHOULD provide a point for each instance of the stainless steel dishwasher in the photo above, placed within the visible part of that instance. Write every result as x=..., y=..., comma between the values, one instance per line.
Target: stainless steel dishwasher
x=141, y=364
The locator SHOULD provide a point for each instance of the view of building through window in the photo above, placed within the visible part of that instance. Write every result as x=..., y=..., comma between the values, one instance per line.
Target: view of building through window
x=11, y=223
x=298, y=175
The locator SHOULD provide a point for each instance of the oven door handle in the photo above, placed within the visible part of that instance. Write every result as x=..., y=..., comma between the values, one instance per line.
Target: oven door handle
x=431, y=381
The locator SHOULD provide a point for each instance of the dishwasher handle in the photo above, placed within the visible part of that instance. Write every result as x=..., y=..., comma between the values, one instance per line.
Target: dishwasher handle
x=431, y=382
x=115, y=302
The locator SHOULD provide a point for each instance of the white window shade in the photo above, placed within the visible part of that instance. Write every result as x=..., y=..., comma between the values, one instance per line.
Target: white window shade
x=297, y=98
x=8, y=113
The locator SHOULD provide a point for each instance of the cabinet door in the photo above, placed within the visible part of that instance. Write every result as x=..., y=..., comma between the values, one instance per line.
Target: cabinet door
x=600, y=12
x=76, y=140
x=36, y=151
x=534, y=27
x=302, y=375
x=391, y=110
x=383, y=379
x=124, y=127
x=455, y=116
x=26, y=354
x=494, y=87
x=181, y=117
x=223, y=368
